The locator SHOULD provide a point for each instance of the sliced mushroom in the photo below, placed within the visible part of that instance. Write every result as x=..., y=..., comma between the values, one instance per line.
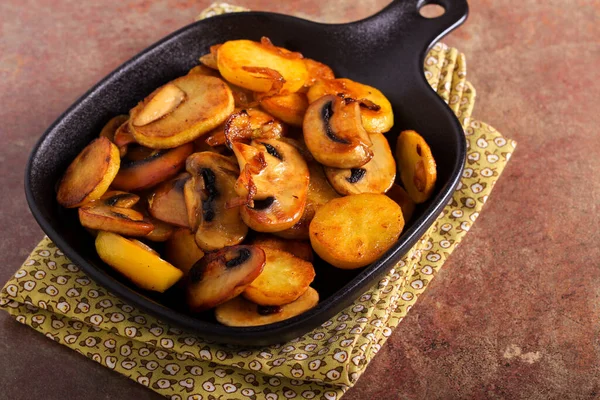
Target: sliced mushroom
x=208, y=102
x=246, y=125
x=161, y=232
x=273, y=184
x=416, y=165
x=241, y=312
x=320, y=193
x=222, y=275
x=207, y=195
x=376, y=111
x=167, y=201
x=124, y=221
x=143, y=168
x=376, y=176
x=334, y=134
x=117, y=198
x=162, y=102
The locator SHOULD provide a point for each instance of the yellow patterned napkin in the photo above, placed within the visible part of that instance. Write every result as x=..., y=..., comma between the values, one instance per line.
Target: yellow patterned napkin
x=56, y=298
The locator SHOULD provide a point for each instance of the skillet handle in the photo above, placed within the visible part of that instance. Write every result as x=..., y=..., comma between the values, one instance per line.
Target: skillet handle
x=401, y=18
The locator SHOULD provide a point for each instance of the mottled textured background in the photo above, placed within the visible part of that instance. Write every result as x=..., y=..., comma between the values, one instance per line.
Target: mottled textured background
x=514, y=313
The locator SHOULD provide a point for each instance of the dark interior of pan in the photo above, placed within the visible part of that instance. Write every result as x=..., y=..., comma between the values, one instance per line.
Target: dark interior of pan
x=385, y=51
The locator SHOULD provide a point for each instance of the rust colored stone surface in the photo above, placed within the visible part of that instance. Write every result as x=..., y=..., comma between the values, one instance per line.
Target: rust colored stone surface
x=515, y=311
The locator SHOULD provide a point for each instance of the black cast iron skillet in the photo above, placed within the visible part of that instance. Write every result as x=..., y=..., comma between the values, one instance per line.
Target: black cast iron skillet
x=385, y=51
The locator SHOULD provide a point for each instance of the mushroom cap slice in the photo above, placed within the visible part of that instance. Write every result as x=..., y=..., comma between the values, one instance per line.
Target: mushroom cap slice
x=151, y=167
x=376, y=111
x=167, y=202
x=246, y=125
x=90, y=174
x=208, y=102
x=117, y=198
x=416, y=165
x=241, y=312
x=334, y=134
x=208, y=195
x=124, y=221
x=273, y=181
x=376, y=176
x=222, y=275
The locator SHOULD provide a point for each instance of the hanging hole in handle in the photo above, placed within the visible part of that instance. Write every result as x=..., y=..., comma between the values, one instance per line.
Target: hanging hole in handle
x=431, y=10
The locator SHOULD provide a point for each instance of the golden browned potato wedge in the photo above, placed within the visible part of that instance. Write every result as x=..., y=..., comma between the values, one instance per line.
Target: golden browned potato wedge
x=117, y=198
x=319, y=193
x=182, y=251
x=284, y=278
x=334, y=134
x=207, y=195
x=241, y=312
x=298, y=248
x=167, y=201
x=400, y=196
x=246, y=125
x=112, y=125
x=290, y=108
x=416, y=166
x=124, y=221
x=353, y=231
x=375, y=108
x=317, y=72
x=261, y=67
x=141, y=266
x=273, y=184
x=376, y=176
x=222, y=275
x=90, y=174
x=151, y=168
x=189, y=106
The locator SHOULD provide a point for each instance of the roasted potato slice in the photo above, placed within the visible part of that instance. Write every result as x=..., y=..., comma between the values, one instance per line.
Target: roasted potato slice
x=207, y=195
x=317, y=72
x=319, y=193
x=376, y=176
x=284, y=278
x=141, y=266
x=112, y=125
x=298, y=248
x=290, y=108
x=205, y=70
x=246, y=125
x=400, y=196
x=353, y=231
x=334, y=134
x=222, y=275
x=261, y=67
x=273, y=184
x=241, y=312
x=182, y=251
x=416, y=166
x=124, y=221
x=167, y=202
x=90, y=174
x=153, y=167
x=196, y=105
x=375, y=108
